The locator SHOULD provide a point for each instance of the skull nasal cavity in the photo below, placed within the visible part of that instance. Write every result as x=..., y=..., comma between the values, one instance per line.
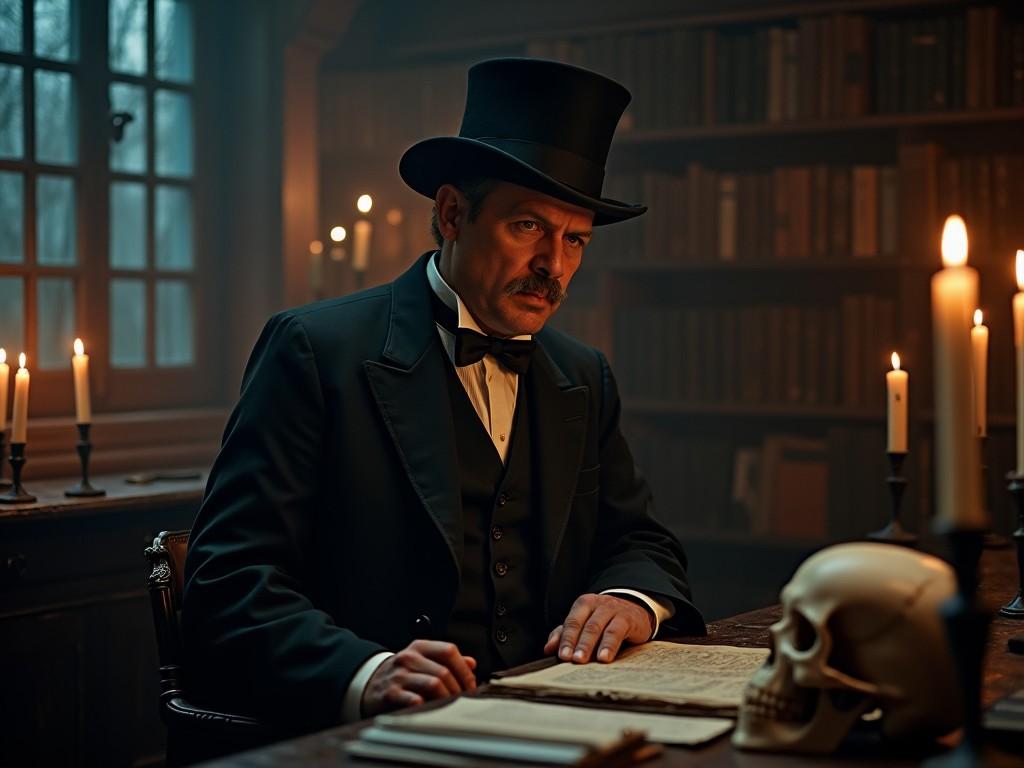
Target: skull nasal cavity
x=805, y=635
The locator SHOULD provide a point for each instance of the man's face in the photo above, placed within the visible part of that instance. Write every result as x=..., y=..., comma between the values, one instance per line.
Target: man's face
x=512, y=265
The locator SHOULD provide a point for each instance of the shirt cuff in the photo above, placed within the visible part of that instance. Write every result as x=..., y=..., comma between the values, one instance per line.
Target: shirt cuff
x=352, y=705
x=662, y=610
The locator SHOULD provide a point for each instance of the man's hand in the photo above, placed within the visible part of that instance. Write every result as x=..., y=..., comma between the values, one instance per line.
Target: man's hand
x=601, y=622
x=423, y=670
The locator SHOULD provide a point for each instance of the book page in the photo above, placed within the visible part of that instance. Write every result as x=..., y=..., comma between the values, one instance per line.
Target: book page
x=595, y=728
x=673, y=673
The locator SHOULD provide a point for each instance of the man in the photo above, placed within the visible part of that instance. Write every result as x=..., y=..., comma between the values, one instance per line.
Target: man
x=421, y=484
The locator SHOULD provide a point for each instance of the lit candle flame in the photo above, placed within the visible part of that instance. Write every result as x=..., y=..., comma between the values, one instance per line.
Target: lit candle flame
x=79, y=347
x=21, y=360
x=1020, y=270
x=895, y=361
x=338, y=234
x=3, y=355
x=977, y=317
x=364, y=203
x=954, y=242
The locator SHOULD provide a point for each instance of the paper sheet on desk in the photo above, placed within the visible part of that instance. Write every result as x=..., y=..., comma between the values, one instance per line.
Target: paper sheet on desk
x=557, y=722
x=711, y=676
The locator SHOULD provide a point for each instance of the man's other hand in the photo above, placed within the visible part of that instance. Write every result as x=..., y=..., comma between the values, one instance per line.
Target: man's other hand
x=423, y=670
x=602, y=623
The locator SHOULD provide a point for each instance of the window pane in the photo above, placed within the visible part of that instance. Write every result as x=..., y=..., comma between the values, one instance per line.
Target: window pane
x=10, y=26
x=173, y=134
x=173, y=228
x=55, y=221
x=12, y=142
x=173, y=323
x=56, y=33
x=56, y=326
x=56, y=132
x=127, y=36
x=129, y=154
x=12, y=218
x=127, y=323
x=127, y=225
x=12, y=317
x=174, y=40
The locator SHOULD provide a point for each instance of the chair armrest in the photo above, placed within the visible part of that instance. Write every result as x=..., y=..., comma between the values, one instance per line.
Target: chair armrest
x=178, y=712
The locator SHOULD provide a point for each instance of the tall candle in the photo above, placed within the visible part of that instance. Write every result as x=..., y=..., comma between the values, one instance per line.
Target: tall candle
x=80, y=368
x=19, y=420
x=5, y=377
x=896, y=388
x=957, y=464
x=1018, y=343
x=361, y=245
x=979, y=371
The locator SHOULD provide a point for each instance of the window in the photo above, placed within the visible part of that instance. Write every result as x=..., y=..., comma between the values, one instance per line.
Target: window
x=97, y=181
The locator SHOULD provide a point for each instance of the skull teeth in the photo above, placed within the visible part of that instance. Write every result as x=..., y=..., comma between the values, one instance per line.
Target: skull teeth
x=770, y=706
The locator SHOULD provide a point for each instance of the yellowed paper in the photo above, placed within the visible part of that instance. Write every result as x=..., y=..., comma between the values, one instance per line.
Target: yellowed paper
x=597, y=728
x=671, y=673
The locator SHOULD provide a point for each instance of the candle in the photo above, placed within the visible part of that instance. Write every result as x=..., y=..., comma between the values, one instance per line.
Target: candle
x=80, y=368
x=19, y=421
x=5, y=377
x=1018, y=343
x=896, y=387
x=361, y=236
x=957, y=462
x=979, y=370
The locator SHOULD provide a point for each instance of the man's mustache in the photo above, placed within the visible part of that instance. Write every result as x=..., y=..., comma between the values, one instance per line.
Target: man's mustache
x=547, y=287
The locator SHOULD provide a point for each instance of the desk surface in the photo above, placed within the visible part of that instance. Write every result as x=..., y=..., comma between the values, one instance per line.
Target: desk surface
x=1004, y=672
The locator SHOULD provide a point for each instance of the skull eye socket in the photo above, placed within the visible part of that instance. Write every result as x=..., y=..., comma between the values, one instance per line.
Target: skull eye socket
x=804, y=635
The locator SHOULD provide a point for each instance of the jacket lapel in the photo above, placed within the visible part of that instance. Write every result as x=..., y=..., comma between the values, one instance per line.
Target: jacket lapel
x=410, y=389
x=558, y=414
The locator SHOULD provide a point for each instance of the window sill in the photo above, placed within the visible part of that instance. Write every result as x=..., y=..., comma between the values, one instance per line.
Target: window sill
x=123, y=443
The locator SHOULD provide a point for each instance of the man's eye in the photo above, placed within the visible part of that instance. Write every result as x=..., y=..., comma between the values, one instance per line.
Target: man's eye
x=576, y=242
x=529, y=225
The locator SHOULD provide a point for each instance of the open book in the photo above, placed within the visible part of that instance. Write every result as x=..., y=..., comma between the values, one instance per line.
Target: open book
x=702, y=678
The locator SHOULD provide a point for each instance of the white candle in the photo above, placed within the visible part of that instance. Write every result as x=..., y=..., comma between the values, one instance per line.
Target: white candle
x=896, y=386
x=957, y=464
x=979, y=370
x=5, y=377
x=80, y=368
x=19, y=421
x=361, y=245
x=1018, y=343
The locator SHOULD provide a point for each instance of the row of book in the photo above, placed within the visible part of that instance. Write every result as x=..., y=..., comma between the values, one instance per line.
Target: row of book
x=828, y=213
x=762, y=354
x=814, y=67
x=825, y=486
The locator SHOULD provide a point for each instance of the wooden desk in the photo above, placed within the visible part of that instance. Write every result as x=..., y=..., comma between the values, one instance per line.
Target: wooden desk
x=1004, y=673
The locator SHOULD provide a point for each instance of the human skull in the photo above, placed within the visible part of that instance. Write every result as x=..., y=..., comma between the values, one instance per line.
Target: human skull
x=860, y=630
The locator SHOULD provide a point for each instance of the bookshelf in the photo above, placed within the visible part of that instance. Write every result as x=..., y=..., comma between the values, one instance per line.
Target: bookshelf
x=798, y=160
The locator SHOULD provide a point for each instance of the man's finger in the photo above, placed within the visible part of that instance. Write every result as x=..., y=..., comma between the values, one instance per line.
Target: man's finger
x=572, y=626
x=448, y=655
x=591, y=634
x=552, y=642
x=427, y=666
x=427, y=686
x=612, y=639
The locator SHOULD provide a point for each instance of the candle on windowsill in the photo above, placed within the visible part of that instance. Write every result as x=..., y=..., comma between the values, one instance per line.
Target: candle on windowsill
x=80, y=368
x=957, y=461
x=896, y=382
x=19, y=418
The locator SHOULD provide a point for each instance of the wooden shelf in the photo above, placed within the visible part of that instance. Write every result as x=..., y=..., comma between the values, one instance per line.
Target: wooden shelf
x=767, y=410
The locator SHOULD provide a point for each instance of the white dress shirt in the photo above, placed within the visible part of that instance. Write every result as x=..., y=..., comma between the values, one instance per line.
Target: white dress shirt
x=492, y=390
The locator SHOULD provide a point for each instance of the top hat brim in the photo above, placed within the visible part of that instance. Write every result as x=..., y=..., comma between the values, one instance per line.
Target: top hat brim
x=428, y=164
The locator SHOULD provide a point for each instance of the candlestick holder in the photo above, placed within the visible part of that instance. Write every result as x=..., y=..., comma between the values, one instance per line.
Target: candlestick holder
x=17, y=494
x=967, y=629
x=1015, y=608
x=84, y=447
x=4, y=484
x=992, y=540
x=894, y=532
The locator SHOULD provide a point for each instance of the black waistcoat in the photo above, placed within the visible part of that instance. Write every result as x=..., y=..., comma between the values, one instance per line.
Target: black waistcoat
x=498, y=613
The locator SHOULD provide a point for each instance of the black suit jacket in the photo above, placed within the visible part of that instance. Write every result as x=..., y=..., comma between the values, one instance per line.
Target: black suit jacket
x=332, y=515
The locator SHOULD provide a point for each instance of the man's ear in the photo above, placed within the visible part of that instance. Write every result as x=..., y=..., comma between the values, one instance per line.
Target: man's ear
x=451, y=206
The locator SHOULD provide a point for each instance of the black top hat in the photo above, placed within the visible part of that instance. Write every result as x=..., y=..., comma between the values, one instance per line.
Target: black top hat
x=540, y=124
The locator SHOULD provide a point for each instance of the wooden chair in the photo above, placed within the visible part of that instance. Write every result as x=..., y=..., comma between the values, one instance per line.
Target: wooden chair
x=193, y=733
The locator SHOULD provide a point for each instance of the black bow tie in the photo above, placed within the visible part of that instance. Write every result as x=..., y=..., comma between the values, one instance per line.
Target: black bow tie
x=513, y=354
